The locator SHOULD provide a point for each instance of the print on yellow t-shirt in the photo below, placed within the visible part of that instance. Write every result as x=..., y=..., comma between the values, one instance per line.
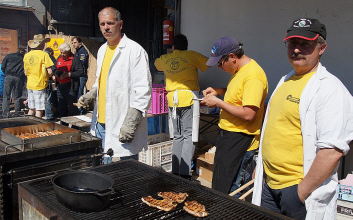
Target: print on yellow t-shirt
x=181, y=73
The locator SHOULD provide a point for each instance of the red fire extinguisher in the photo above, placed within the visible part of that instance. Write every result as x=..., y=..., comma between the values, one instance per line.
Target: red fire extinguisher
x=168, y=32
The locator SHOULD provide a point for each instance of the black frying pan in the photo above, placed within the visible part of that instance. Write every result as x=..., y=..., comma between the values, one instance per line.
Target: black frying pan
x=84, y=191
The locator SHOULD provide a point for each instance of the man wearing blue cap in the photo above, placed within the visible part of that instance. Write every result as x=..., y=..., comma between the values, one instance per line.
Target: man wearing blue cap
x=307, y=129
x=241, y=110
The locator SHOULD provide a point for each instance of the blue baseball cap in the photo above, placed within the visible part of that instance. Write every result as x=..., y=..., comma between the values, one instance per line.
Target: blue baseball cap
x=222, y=46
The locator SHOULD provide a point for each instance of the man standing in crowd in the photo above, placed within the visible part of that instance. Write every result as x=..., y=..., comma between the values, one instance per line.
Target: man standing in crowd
x=82, y=54
x=307, y=129
x=37, y=65
x=12, y=66
x=241, y=110
x=122, y=88
x=51, y=101
x=181, y=73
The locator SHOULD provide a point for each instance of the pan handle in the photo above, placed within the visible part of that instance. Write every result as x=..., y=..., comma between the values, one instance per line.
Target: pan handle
x=105, y=192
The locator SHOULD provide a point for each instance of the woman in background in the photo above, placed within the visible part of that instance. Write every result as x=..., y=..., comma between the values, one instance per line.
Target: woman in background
x=67, y=75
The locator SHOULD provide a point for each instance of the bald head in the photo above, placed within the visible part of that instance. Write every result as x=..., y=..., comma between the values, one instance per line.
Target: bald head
x=110, y=11
x=110, y=24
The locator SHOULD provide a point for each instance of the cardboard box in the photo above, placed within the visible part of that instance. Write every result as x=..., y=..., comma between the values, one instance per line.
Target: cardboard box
x=204, y=182
x=205, y=168
x=209, y=157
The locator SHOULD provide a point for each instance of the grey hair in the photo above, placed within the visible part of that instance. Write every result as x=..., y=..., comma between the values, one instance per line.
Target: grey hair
x=65, y=47
x=114, y=10
x=321, y=40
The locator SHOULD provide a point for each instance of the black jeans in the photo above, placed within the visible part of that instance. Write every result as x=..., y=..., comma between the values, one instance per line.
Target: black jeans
x=65, y=100
x=231, y=147
x=14, y=85
x=285, y=201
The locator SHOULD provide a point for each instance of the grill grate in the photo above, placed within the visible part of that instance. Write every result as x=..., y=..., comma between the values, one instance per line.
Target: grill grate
x=134, y=180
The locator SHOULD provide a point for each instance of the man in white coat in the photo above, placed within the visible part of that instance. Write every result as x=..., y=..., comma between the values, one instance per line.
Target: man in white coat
x=307, y=129
x=122, y=90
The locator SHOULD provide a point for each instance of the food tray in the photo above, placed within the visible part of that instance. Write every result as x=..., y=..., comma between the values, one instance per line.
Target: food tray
x=69, y=135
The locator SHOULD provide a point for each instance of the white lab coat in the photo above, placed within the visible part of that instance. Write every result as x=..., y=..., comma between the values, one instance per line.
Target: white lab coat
x=128, y=85
x=326, y=115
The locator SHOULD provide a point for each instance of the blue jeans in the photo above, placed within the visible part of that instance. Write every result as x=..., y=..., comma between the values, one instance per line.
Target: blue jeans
x=285, y=201
x=14, y=85
x=50, y=102
x=245, y=172
x=100, y=133
x=83, y=81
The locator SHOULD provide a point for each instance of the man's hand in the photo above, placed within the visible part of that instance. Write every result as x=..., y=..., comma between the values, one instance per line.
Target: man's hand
x=210, y=101
x=87, y=99
x=301, y=194
x=132, y=120
x=209, y=91
x=323, y=166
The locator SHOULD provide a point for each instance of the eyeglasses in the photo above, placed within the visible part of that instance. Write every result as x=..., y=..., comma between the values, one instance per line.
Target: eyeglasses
x=303, y=45
x=223, y=59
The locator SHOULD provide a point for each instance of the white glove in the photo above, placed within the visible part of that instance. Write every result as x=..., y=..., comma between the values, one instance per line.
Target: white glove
x=132, y=120
x=87, y=99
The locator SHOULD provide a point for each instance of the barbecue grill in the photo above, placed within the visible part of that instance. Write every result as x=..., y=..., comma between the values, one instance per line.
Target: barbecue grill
x=27, y=162
x=134, y=180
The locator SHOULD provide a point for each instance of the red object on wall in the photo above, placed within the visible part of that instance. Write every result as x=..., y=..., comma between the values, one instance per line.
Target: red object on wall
x=168, y=32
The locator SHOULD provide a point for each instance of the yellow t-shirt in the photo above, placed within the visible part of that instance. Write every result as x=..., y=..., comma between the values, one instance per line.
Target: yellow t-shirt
x=35, y=66
x=282, y=146
x=103, y=83
x=248, y=87
x=180, y=69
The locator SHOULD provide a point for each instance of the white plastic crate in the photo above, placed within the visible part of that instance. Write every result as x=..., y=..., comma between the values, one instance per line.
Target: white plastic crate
x=157, y=138
x=158, y=155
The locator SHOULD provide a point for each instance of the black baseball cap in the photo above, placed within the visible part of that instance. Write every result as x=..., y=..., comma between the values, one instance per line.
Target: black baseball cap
x=222, y=46
x=306, y=28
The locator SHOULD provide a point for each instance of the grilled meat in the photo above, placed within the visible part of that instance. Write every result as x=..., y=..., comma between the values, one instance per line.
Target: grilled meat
x=196, y=209
x=175, y=197
x=164, y=204
x=39, y=134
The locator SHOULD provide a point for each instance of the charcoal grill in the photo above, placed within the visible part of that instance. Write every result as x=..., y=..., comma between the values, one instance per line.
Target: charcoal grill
x=134, y=180
x=18, y=165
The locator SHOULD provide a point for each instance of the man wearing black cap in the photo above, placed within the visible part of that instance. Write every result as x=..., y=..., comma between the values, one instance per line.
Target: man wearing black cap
x=307, y=129
x=241, y=110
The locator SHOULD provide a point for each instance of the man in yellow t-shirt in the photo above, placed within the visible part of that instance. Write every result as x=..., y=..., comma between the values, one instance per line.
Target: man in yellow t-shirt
x=37, y=65
x=122, y=89
x=308, y=128
x=181, y=75
x=241, y=110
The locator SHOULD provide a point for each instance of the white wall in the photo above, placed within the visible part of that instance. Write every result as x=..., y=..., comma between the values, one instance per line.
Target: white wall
x=261, y=26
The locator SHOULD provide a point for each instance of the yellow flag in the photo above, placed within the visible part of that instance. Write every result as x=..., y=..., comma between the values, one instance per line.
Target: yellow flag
x=54, y=44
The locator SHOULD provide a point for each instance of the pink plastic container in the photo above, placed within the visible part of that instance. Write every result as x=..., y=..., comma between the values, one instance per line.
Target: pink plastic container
x=159, y=103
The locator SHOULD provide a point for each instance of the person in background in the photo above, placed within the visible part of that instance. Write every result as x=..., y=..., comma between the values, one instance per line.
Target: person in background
x=83, y=56
x=241, y=110
x=307, y=129
x=181, y=75
x=69, y=69
x=51, y=101
x=122, y=89
x=37, y=67
x=12, y=66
